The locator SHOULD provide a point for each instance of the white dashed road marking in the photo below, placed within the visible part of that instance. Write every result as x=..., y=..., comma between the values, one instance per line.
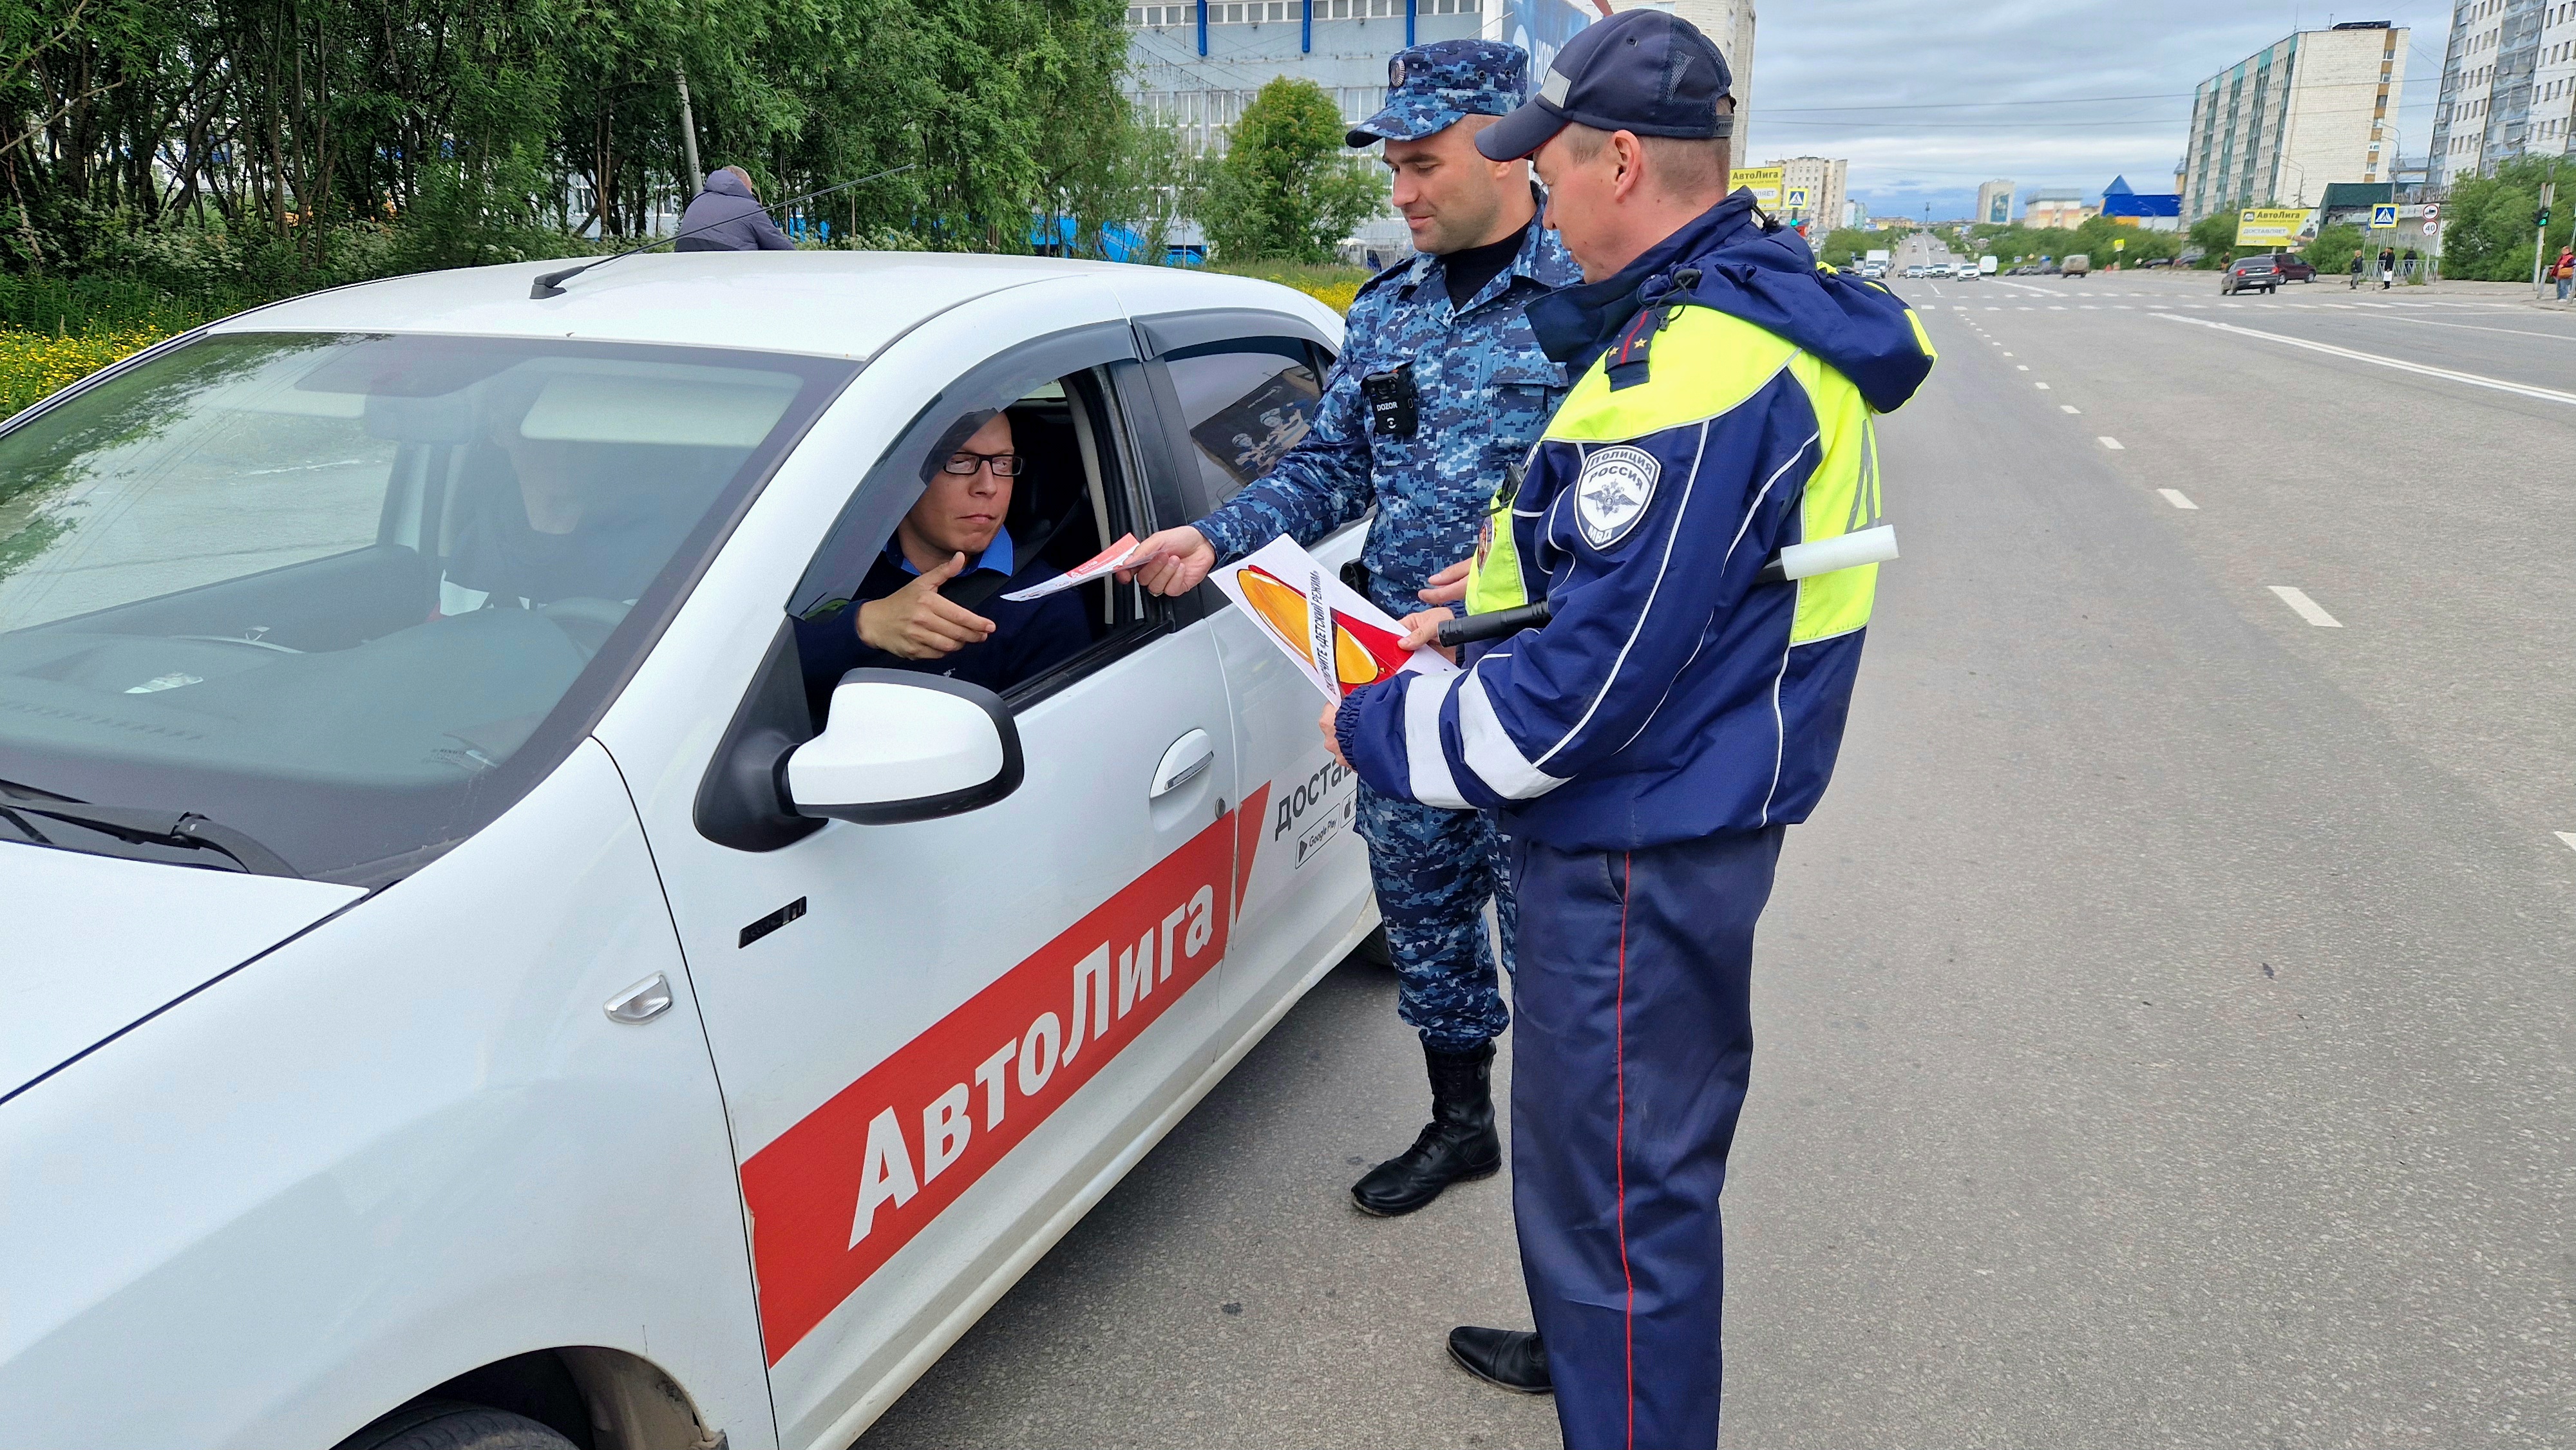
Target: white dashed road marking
x=2306, y=607
x=2111, y=443
x=2043, y=387
x=2019, y=367
x=2568, y=836
x=2068, y=408
x=2174, y=496
x=2547, y=395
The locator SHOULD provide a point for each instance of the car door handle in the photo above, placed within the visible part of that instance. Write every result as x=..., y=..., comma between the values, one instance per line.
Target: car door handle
x=642, y=1002
x=1189, y=757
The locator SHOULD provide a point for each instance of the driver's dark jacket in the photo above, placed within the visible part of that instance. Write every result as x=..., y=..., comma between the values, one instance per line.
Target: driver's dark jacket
x=1029, y=636
x=501, y=562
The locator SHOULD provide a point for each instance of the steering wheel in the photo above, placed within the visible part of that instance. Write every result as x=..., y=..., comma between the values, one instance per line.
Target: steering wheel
x=587, y=621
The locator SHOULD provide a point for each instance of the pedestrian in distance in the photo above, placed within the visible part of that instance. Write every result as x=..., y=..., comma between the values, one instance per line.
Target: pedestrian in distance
x=2565, y=270
x=2356, y=270
x=1648, y=746
x=727, y=217
x=2387, y=267
x=1440, y=391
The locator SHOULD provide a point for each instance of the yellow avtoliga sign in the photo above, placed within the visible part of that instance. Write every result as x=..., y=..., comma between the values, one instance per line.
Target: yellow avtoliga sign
x=2266, y=226
x=1765, y=181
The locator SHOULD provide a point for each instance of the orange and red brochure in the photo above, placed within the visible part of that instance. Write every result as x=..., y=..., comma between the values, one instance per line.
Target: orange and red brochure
x=1080, y=574
x=1338, y=640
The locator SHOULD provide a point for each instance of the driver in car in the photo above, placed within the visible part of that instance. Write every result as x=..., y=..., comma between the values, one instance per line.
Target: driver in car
x=932, y=600
x=560, y=534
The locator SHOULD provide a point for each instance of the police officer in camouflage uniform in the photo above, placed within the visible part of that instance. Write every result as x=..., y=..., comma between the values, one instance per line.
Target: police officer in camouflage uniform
x=1439, y=394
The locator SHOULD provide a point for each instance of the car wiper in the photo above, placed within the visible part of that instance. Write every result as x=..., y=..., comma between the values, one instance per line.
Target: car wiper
x=144, y=825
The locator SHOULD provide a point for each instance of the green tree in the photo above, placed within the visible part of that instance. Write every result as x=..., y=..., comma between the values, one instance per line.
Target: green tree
x=2331, y=252
x=2215, y=235
x=2486, y=224
x=1845, y=245
x=1284, y=189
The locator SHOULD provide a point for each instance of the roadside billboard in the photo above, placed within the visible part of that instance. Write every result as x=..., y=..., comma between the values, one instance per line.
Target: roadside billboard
x=1541, y=27
x=2276, y=227
x=1765, y=181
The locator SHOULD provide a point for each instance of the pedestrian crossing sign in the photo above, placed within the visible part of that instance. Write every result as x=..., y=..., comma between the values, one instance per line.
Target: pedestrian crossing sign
x=1797, y=198
x=2383, y=216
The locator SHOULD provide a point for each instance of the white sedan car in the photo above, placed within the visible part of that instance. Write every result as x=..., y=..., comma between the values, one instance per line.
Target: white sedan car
x=470, y=980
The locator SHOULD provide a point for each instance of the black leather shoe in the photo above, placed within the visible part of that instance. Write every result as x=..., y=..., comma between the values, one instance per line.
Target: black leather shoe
x=1512, y=1358
x=1457, y=1146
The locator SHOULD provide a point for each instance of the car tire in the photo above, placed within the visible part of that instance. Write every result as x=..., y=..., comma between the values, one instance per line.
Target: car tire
x=1374, y=951
x=454, y=1425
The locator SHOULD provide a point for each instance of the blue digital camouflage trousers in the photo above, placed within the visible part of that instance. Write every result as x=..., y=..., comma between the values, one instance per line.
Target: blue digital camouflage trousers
x=1434, y=870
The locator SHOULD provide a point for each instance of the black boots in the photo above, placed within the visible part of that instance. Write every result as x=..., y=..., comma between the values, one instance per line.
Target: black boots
x=1512, y=1358
x=1459, y=1144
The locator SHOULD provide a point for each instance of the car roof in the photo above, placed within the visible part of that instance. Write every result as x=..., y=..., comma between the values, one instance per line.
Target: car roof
x=830, y=303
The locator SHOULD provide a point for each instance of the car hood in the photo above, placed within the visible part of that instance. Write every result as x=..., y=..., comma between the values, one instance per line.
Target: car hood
x=94, y=944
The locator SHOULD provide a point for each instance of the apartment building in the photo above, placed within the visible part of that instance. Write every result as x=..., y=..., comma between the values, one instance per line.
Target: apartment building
x=2315, y=107
x=2508, y=86
x=1821, y=179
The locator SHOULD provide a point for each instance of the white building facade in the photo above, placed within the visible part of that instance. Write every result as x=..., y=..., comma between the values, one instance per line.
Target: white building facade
x=1822, y=181
x=1994, y=202
x=2508, y=86
x=2315, y=107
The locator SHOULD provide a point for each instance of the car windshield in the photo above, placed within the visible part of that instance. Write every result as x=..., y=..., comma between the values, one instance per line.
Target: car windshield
x=351, y=596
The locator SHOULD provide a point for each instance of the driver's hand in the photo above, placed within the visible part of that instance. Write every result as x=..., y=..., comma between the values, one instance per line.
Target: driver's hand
x=1172, y=562
x=1423, y=627
x=914, y=623
x=1448, y=586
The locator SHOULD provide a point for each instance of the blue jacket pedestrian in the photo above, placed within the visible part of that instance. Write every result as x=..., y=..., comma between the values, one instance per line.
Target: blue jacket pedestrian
x=726, y=217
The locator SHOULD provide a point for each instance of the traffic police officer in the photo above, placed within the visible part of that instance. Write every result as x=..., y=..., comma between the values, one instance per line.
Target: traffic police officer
x=1646, y=747
x=1435, y=402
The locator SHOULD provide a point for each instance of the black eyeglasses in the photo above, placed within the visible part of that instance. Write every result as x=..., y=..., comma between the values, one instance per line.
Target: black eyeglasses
x=1005, y=465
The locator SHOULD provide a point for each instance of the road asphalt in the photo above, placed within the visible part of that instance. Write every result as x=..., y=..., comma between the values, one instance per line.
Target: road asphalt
x=2167, y=1029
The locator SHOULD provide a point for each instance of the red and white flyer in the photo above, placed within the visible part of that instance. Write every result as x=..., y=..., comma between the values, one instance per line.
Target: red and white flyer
x=1111, y=558
x=1339, y=640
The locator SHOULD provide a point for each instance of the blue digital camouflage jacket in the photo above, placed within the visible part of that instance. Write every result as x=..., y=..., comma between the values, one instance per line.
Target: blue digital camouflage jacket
x=1485, y=390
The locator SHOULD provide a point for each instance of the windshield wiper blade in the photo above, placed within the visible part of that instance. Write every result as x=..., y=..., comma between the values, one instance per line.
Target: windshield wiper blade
x=142, y=825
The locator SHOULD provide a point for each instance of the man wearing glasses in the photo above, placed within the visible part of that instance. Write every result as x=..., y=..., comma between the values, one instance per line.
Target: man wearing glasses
x=954, y=531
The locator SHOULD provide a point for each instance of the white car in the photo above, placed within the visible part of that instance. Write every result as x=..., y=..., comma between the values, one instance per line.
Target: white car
x=459, y=966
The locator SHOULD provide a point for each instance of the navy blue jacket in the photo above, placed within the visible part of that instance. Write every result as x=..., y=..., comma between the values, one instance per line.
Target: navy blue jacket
x=1029, y=636
x=733, y=222
x=1723, y=410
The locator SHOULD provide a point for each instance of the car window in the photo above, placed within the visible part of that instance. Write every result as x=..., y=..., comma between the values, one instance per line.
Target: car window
x=1244, y=404
x=1073, y=496
x=352, y=595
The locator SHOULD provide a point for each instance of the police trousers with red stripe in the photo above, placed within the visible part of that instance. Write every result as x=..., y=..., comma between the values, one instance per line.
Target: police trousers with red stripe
x=1630, y=1055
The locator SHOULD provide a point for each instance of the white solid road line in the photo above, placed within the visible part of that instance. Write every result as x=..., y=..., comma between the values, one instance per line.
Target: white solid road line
x=2068, y=408
x=2546, y=395
x=2306, y=607
x=2174, y=496
x=2111, y=443
x=2473, y=327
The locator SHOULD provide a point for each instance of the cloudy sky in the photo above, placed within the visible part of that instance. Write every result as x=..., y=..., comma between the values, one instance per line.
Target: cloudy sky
x=1929, y=100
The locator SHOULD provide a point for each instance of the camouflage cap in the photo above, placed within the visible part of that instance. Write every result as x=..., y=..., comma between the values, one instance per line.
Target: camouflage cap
x=1430, y=87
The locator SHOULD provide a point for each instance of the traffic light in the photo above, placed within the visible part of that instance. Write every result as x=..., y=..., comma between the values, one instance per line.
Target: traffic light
x=2540, y=218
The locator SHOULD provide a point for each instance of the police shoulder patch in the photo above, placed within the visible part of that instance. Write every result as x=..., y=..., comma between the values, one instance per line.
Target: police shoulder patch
x=1612, y=492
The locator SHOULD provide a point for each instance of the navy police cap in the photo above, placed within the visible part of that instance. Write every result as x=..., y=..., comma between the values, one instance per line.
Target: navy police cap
x=1430, y=88
x=1641, y=71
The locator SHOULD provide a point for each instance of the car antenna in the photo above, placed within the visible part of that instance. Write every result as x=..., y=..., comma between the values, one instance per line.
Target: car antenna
x=550, y=284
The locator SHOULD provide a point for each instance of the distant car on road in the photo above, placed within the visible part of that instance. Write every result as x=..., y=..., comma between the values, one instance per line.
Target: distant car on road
x=2245, y=274
x=2078, y=265
x=2293, y=267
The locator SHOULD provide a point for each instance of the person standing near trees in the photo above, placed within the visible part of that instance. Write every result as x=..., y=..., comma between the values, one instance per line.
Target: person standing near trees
x=727, y=217
x=2356, y=270
x=2565, y=269
x=1428, y=417
x=2387, y=267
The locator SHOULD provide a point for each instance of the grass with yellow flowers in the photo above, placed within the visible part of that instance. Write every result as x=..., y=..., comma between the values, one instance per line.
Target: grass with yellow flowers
x=34, y=365
x=1333, y=286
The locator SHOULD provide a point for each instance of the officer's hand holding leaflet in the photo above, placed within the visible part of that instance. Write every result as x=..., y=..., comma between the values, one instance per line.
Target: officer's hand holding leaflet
x=1174, y=561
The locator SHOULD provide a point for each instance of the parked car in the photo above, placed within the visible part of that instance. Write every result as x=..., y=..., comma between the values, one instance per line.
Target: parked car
x=2293, y=267
x=2077, y=265
x=2247, y=274
x=455, y=962
x=2156, y=262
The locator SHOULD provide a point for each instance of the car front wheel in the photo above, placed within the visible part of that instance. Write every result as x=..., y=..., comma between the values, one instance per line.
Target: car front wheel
x=453, y=1425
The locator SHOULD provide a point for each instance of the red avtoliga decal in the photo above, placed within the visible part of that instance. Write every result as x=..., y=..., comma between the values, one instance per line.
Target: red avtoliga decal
x=837, y=1194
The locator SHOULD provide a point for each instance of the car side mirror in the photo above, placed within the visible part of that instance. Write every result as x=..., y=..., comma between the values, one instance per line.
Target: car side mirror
x=899, y=746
